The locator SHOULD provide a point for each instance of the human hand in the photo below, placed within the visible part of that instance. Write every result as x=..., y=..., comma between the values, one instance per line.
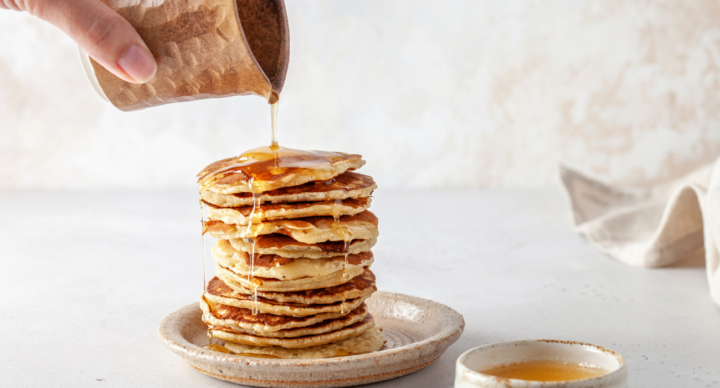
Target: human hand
x=102, y=33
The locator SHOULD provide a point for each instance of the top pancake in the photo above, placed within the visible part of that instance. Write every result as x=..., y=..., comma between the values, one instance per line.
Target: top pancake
x=265, y=173
x=343, y=186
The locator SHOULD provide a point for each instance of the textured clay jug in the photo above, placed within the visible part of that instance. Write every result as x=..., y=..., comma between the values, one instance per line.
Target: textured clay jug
x=203, y=48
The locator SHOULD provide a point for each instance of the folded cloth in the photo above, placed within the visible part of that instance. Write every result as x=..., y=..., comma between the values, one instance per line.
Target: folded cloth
x=652, y=227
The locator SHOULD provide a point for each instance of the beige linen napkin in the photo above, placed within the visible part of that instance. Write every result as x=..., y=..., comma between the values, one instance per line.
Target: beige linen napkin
x=652, y=227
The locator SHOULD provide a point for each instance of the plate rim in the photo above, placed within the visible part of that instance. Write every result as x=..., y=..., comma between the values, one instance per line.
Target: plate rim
x=452, y=330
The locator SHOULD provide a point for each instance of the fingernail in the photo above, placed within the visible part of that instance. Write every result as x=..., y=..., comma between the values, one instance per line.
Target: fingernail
x=139, y=64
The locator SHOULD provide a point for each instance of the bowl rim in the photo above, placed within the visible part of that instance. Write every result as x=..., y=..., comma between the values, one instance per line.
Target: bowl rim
x=617, y=374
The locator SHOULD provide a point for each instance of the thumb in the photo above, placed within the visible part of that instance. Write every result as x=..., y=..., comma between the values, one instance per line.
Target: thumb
x=103, y=34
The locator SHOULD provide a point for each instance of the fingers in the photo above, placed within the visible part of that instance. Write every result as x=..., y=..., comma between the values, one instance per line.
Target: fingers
x=101, y=33
x=10, y=4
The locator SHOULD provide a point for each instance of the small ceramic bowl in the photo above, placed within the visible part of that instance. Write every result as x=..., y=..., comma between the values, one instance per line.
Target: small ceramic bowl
x=512, y=352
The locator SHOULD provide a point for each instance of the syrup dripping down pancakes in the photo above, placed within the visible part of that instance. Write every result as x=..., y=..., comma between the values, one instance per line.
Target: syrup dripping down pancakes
x=293, y=255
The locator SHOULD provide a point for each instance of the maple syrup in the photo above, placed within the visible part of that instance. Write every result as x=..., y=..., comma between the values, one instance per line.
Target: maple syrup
x=253, y=295
x=273, y=122
x=256, y=355
x=214, y=343
x=545, y=370
x=340, y=229
x=203, y=224
x=204, y=229
x=218, y=348
x=274, y=98
x=265, y=167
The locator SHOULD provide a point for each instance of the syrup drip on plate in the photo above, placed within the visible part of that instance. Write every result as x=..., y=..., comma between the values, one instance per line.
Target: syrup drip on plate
x=215, y=344
x=218, y=348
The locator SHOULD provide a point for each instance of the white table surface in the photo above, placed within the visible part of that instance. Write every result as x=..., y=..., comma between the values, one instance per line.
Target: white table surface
x=86, y=278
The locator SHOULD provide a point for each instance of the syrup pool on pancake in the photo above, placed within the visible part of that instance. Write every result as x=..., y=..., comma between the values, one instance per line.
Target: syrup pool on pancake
x=265, y=168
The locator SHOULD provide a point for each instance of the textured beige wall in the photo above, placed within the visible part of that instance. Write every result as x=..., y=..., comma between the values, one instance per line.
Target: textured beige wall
x=433, y=93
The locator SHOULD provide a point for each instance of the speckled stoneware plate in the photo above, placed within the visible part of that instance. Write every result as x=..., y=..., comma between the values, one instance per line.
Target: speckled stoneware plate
x=417, y=332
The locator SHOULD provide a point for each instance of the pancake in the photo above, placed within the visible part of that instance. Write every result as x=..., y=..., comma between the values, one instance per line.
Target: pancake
x=227, y=322
x=281, y=268
x=370, y=341
x=277, y=244
x=226, y=176
x=275, y=211
x=323, y=327
x=220, y=293
x=263, y=322
x=241, y=282
x=301, y=342
x=310, y=230
x=278, y=263
x=359, y=287
x=343, y=186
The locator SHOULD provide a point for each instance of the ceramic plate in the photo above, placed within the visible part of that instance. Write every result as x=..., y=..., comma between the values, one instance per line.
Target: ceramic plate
x=417, y=332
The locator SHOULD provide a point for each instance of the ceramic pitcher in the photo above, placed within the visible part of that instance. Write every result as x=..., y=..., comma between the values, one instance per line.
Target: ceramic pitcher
x=203, y=49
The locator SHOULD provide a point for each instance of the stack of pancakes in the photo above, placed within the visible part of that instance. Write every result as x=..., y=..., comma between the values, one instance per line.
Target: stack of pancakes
x=291, y=263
